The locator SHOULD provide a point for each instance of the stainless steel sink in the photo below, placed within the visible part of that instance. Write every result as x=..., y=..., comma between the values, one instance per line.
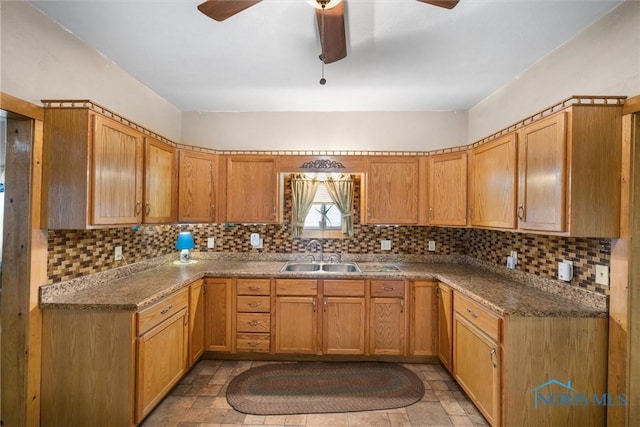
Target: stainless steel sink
x=341, y=268
x=300, y=266
x=321, y=267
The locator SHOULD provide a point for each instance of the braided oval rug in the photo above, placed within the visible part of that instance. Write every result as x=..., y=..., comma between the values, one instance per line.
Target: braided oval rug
x=323, y=387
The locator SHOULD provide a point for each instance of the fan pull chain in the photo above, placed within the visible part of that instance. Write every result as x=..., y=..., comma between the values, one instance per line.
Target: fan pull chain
x=322, y=79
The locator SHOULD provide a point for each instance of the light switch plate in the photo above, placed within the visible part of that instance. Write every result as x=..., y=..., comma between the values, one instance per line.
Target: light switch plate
x=385, y=245
x=602, y=275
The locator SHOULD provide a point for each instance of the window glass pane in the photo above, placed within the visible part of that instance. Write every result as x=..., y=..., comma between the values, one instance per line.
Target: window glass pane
x=314, y=217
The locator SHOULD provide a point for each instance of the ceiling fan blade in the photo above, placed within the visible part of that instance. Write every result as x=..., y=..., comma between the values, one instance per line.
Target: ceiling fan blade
x=448, y=4
x=223, y=9
x=334, y=41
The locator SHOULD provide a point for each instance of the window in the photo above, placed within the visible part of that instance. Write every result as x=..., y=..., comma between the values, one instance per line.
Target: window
x=324, y=214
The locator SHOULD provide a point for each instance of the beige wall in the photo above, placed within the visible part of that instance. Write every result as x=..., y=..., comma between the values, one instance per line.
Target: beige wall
x=42, y=61
x=603, y=60
x=358, y=130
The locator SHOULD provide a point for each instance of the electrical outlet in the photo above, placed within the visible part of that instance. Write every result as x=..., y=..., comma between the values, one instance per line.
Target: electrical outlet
x=602, y=275
x=117, y=253
x=211, y=242
x=514, y=255
x=431, y=246
x=385, y=245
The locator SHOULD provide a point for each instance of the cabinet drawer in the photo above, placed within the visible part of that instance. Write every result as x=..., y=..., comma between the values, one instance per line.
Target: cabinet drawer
x=387, y=288
x=253, y=304
x=253, y=343
x=341, y=288
x=486, y=321
x=251, y=322
x=253, y=286
x=162, y=310
x=296, y=287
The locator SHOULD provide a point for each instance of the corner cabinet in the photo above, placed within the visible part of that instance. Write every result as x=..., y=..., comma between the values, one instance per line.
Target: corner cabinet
x=160, y=182
x=93, y=170
x=492, y=183
x=423, y=318
x=444, y=296
x=569, y=172
x=391, y=191
x=197, y=177
x=447, y=189
x=252, y=193
x=218, y=309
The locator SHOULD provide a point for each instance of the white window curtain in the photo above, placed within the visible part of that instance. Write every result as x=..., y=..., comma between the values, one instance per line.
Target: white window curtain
x=341, y=191
x=303, y=190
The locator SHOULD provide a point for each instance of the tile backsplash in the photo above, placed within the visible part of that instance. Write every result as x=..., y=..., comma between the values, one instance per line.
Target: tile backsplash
x=75, y=253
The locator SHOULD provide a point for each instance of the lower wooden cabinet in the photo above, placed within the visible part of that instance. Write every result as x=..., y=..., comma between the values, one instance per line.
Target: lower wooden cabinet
x=444, y=296
x=162, y=350
x=423, y=318
x=196, y=321
x=218, y=309
x=387, y=318
x=296, y=316
x=253, y=315
x=343, y=317
x=476, y=358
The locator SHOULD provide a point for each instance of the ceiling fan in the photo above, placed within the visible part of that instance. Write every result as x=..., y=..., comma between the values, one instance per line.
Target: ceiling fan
x=329, y=13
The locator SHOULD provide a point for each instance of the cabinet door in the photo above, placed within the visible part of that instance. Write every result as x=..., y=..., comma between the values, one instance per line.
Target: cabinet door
x=445, y=325
x=476, y=361
x=542, y=150
x=196, y=186
x=196, y=321
x=159, y=182
x=296, y=324
x=162, y=360
x=423, y=321
x=343, y=325
x=392, y=191
x=218, y=300
x=116, y=173
x=387, y=326
x=492, y=186
x=252, y=189
x=448, y=189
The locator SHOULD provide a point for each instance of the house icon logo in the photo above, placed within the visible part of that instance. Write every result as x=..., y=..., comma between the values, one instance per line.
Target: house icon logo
x=557, y=393
x=540, y=398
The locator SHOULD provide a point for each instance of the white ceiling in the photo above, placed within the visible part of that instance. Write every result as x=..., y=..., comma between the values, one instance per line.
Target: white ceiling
x=403, y=55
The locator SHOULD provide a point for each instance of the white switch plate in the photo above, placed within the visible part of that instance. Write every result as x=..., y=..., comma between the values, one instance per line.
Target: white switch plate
x=602, y=275
x=385, y=245
x=211, y=242
x=117, y=253
x=431, y=246
x=514, y=255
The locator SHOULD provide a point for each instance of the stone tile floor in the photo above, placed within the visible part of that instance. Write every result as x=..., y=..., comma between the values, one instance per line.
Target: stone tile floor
x=199, y=401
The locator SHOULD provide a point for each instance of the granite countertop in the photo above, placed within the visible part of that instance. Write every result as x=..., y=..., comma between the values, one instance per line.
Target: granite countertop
x=135, y=290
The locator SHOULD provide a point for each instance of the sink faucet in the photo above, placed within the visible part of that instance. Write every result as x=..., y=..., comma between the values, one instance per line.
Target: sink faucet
x=319, y=243
x=337, y=258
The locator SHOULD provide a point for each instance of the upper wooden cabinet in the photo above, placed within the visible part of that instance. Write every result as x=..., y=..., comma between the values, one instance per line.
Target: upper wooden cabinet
x=160, y=182
x=569, y=173
x=93, y=170
x=197, y=176
x=391, y=191
x=492, y=183
x=252, y=189
x=447, y=189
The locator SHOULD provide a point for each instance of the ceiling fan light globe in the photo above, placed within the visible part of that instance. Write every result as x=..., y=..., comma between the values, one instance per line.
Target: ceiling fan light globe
x=328, y=4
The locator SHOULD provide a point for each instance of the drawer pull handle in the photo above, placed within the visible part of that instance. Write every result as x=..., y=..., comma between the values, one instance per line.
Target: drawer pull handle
x=166, y=309
x=255, y=304
x=491, y=353
x=148, y=209
x=521, y=213
x=255, y=288
x=387, y=288
x=255, y=323
x=474, y=315
x=253, y=344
